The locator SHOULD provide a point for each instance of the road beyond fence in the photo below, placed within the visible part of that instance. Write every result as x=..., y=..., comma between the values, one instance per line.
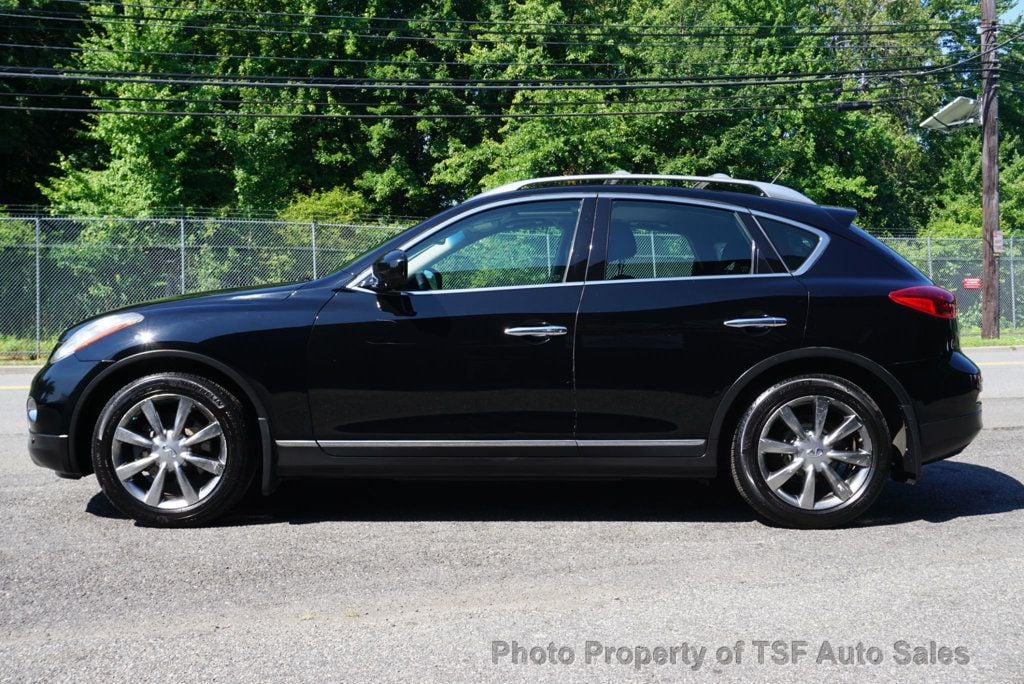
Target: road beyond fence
x=56, y=271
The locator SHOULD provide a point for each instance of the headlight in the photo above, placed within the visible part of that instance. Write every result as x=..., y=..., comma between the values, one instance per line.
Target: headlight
x=93, y=331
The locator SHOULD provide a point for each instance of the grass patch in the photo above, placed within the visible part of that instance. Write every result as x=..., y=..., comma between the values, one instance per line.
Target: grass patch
x=1015, y=340
x=19, y=350
x=1007, y=338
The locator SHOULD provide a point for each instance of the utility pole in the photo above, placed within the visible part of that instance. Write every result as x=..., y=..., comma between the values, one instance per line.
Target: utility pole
x=989, y=170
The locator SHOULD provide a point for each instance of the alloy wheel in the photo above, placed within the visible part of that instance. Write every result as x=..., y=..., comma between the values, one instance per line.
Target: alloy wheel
x=169, y=451
x=815, y=453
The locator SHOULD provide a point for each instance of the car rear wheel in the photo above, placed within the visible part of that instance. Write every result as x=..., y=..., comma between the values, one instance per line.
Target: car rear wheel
x=812, y=451
x=173, y=449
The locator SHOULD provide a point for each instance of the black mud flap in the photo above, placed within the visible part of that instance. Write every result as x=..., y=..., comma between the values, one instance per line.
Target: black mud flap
x=907, y=443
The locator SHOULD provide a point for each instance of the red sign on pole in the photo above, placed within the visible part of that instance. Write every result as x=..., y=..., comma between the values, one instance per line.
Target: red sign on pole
x=972, y=283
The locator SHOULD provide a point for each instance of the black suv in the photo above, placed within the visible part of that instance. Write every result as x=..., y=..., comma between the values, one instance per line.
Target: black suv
x=604, y=326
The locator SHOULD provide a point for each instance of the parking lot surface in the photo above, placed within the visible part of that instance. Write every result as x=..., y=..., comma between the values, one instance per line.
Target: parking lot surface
x=433, y=582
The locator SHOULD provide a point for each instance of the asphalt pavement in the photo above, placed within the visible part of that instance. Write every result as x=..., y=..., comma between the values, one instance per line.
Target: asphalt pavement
x=453, y=582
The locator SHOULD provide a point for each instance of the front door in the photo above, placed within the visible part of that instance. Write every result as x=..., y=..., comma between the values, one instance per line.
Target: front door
x=478, y=349
x=680, y=305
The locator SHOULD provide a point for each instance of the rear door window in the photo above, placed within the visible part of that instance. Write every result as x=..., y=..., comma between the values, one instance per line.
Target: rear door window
x=670, y=240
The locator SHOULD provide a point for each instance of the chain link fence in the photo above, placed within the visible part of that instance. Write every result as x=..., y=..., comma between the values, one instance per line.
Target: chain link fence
x=56, y=271
x=953, y=263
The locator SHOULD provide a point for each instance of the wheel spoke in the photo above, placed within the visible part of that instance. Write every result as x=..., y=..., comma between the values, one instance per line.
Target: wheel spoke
x=128, y=437
x=838, y=484
x=773, y=446
x=782, y=476
x=156, y=490
x=850, y=425
x=133, y=468
x=806, y=499
x=857, y=458
x=149, y=410
x=820, y=413
x=184, y=408
x=209, y=432
x=791, y=421
x=207, y=464
x=186, y=487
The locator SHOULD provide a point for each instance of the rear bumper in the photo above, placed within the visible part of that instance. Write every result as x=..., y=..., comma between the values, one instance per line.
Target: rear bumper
x=944, y=405
x=51, y=451
x=944, y=438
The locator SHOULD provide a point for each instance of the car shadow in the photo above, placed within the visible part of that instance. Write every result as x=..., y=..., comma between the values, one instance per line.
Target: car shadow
x=948, y=490
x=310, y=501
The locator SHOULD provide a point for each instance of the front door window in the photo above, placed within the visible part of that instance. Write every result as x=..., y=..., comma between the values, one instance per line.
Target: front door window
x=508, y=246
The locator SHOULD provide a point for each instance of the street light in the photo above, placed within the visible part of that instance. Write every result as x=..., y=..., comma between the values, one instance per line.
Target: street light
x=963, y=111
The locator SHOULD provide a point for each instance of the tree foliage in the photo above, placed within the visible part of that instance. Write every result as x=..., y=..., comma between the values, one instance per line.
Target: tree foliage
x=873, y=158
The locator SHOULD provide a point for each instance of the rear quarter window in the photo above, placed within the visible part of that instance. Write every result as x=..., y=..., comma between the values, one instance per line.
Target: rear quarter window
x=795, y=245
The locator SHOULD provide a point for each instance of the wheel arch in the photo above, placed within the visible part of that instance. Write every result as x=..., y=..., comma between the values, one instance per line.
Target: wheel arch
x=102, y=387
x=879, y=383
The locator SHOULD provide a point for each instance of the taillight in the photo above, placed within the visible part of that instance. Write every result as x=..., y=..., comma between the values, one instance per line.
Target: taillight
x=929, y=299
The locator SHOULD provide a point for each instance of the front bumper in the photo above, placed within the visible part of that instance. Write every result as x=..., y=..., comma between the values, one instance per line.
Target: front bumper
x=945, y=438
x=57, y=390
x=51, y=451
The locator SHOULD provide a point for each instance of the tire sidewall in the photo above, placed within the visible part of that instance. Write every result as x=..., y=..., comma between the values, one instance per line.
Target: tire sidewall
x=226, y=409
x=747, y=472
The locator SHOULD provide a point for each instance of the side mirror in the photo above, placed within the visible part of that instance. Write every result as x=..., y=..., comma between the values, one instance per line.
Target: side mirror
x=392, y=270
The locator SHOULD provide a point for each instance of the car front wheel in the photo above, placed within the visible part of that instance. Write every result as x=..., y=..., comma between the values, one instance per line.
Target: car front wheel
x=811, y=452
x=173, y=449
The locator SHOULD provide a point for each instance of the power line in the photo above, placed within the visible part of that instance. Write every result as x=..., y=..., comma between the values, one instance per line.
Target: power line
x=491, y=105
x=872, y=47
x=513, y=22
x=419, y=83
x=433, y=86
x=481, y=83
x=433, y=39
x=326, y=60
x=839, y=106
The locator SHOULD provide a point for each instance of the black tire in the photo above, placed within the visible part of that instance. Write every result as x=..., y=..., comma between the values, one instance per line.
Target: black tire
x=211, y=402
x=786, y=504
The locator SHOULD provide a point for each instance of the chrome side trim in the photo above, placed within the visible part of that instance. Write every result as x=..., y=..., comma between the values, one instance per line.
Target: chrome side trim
x=328, y=443
x=611, y=194
x=641, y=442
x=489, y=442
x=421, y=293
x=709, y=277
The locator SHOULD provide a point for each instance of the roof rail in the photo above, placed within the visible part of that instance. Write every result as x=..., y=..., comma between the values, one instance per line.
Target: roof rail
x=767, y=189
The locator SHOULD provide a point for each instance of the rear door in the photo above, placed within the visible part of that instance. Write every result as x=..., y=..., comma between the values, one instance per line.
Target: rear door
x=679, y=302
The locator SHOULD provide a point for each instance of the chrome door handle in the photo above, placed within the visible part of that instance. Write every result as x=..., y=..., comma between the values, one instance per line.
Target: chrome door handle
x=537, y=331
x=763, y=322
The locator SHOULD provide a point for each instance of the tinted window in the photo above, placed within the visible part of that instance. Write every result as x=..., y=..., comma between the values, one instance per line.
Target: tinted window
x=793, y=244
x=518, y=244
x=667, y=240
